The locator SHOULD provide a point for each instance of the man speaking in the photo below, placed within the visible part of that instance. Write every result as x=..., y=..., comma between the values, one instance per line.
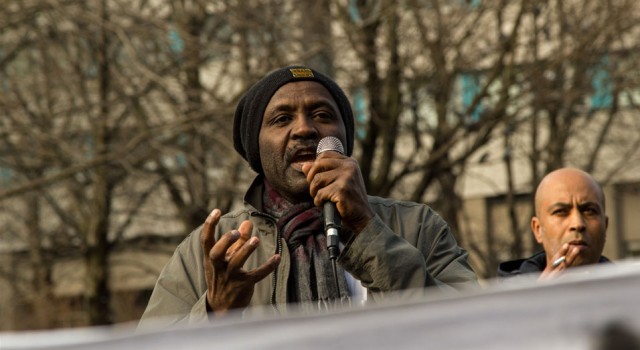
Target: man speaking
x=273, y=250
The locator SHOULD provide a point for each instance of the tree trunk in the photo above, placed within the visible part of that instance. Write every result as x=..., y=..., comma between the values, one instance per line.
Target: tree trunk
x=517, y=245
x=373, y=88
x=97, y=247
x=449, y=203
x=41, y=284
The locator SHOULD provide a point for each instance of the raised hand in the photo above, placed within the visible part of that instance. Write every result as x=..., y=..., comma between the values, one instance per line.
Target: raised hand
x=229, y=286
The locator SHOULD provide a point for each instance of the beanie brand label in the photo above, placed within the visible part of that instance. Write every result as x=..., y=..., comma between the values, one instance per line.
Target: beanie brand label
x=301, y=72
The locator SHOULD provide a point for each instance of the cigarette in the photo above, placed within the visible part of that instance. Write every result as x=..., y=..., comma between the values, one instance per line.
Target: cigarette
x=558, y=261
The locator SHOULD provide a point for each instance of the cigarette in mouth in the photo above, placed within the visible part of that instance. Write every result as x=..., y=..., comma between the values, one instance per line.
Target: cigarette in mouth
x=558, y=261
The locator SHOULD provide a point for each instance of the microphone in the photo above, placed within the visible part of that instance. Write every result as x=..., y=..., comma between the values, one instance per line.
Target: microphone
x=332, y=220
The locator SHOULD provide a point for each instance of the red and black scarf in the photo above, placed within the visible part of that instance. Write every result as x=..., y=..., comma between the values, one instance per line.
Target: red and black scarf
x=311, y=279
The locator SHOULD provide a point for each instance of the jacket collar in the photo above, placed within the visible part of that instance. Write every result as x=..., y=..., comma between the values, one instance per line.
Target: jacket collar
x=253, y=196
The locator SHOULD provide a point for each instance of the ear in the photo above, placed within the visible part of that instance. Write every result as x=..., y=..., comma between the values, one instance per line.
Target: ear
x=536, y=229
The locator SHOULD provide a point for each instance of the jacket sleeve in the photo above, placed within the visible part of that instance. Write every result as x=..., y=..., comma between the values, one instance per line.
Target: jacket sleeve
x=446, y=261
x=407, y=246
x=179, y=296
x=383, y=261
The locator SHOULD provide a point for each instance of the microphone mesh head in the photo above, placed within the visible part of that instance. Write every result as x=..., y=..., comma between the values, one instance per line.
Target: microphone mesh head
x=330, y=143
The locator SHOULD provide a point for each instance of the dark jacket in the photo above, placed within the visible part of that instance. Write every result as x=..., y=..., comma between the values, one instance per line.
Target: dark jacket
x=535, y=264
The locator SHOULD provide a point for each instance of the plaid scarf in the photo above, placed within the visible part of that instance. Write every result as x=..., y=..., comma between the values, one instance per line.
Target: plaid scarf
x=311, y=279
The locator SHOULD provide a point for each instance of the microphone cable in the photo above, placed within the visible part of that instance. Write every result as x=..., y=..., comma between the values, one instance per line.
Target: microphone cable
x=332, y=220
x=335, y=279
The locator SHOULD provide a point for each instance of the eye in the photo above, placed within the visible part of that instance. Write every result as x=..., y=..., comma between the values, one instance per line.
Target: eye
x=591, y=211
x=559, y=212
x=323, y=115
x=280, y=119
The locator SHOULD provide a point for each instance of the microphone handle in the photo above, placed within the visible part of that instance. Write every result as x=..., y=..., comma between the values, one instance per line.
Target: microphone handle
x=332, y=225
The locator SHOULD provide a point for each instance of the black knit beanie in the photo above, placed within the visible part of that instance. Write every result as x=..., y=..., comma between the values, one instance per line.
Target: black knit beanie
x=250, y=110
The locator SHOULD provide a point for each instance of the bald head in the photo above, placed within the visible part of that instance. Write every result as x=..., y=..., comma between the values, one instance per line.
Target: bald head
x=570, y=219
x=563, y=177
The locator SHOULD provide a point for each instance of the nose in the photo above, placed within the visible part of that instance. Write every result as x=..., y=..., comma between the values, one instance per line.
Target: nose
x=304, y=128
x=577, y=221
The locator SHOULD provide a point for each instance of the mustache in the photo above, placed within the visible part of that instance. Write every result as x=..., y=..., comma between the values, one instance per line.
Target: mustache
x=305, y=145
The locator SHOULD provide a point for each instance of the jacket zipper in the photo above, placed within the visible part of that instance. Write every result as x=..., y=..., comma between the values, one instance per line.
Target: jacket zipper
x=275, y=272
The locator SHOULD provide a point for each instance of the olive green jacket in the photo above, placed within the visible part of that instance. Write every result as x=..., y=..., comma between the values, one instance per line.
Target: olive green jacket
x=407, y=246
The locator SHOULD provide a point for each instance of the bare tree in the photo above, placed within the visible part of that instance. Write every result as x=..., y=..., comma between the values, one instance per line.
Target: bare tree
x=114, y=104
x=413, y=56
x=68, y=133
x=576, y=75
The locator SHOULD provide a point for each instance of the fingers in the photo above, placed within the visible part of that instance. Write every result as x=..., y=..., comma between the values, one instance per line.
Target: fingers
x=237, y=260
x=233, y=249
x=557, y=264
x=330, y=178
x=264, y=270
x=324, y=162
x=559, y=261
x=319, y=176
x=229, y=242
x=571, y=256
x=228, y=284
x=563, y=259
x=335, y=178
x=218, y=253
x=245, y=229
x=207, y=238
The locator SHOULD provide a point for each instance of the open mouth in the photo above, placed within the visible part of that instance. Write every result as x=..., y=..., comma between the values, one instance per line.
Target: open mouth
x=302, y=155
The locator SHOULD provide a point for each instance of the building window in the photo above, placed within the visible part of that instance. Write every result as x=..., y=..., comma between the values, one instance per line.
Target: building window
x=175, y=42
x=5, y=176
x=360, y=112
x=471, y=3
x=470, y=86
x=601, y=82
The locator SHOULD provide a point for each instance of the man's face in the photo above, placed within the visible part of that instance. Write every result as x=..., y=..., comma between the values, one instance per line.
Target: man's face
x=298, y=115
x=571, y=210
